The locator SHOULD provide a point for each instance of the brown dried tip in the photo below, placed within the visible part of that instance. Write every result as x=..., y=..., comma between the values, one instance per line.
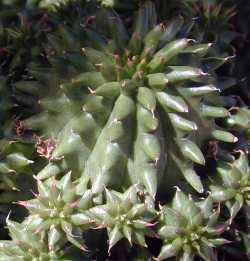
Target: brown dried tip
x=45, y=147
x=19, y=128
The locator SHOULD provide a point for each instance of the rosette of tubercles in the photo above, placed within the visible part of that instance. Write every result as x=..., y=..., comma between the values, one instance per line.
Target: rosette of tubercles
x=212, y=19
x=157, y=76
x=20, y=38
x=26, y=245
x=53, y=209
x=128, y=215
x=233, y=185
x=189, y=229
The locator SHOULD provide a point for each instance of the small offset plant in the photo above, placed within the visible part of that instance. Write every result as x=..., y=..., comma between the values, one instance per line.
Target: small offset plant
x=136, y=149
x=190, y=228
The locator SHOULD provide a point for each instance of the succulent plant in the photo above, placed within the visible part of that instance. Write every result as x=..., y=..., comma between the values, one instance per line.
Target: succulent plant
x=14, y=161
x=55, y=210
x=190, y=229
x=234, y=186
x=17, y=33
x=114, y=112
x=26, y=245
x=16, y=170
x=215, y=17
x=30, y=246
x=159, y=81
x=125, y=215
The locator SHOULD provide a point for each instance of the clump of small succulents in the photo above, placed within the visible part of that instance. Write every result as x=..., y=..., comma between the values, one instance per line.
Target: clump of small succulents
x=111, y=117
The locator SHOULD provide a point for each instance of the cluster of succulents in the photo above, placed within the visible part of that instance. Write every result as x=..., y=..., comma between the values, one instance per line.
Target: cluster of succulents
x=119, y=132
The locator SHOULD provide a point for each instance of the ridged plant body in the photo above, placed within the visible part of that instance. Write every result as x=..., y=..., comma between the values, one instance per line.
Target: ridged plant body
x=153, y=79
